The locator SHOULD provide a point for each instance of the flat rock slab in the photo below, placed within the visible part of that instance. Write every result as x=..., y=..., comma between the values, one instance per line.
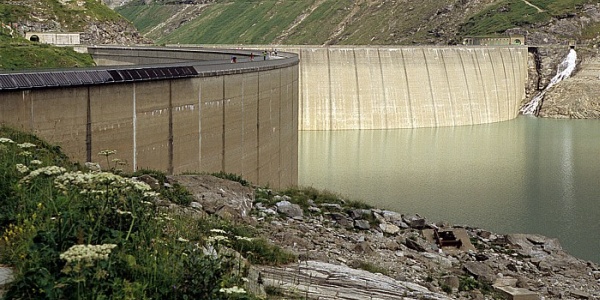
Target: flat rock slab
x=6, y=275
x=513, y=293
x=324, y=281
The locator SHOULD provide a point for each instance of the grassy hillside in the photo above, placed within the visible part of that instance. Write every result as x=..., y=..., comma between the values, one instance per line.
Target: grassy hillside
x=508, y=14
x=348, y=21
x=19, y=53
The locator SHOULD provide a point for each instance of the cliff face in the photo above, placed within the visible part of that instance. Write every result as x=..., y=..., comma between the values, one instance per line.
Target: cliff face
x=577, y=97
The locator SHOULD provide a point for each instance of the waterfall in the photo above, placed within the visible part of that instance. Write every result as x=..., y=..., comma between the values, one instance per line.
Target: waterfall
x=564, y=70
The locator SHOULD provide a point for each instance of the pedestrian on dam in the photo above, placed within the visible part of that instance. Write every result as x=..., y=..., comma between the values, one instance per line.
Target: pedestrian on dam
x=251, y=56
x=265, y=55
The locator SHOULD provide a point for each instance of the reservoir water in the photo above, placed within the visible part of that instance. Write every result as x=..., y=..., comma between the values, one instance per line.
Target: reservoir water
x=528, y=175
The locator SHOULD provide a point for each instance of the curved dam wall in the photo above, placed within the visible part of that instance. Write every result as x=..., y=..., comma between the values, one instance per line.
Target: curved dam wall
x=239, y=119
x=408, y=87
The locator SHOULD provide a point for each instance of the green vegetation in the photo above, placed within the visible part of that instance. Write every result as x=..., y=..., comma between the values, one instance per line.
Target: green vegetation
x=307, y=196
x=507, y=14
x=341, y=22
x=145, y=17
x=73, y=233
x=12, y=13
x=369, y=267
x=18, y=53
x=233, y=23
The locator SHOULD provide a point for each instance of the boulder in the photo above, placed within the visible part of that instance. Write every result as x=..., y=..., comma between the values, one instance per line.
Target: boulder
x=362, y=224
x=289, y=209
x=480, y=270
x=389, y=228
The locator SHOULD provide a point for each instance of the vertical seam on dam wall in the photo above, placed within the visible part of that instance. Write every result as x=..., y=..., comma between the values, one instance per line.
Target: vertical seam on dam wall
x=223, y=126
x=134, y=122
x=412, y=120
x=258, y=127
x=483, y=87
x=433, y=107
x=512, y=58
x=200, y=125
x=452, y=100
x=170, y=167
x=462, y=63
x=357, y=90
x=385, y=115
x=330, y=102
x=88, y=128
x=30, y=108
x=508, y=113
x=495, y=83
x=279, y=162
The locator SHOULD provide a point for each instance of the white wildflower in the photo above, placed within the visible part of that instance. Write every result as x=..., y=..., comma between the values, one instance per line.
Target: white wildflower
x=232, y=290
x=25, y=153
x=107, y=152
x=49, y=171
x=87, y=253
x=183, y=240
x=6, y=140
x=217, y=238
x=22, y=168
x=243, y=238
x=35, y=162
x=151, y=194
x=122, y=212
x=221, y=231
x=26, y=145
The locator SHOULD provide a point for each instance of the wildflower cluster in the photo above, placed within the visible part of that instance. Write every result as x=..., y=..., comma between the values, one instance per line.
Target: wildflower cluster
x=96, y=183
x=232, y=290
x=107, y=152
x=26, y=145
x=48, y=171
x=6, y=140
x=22, y=168
x=87, y=253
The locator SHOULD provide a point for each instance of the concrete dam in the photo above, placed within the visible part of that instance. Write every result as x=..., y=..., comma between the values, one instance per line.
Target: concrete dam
x=192, y=110
x=189, y=115
x=409, y=87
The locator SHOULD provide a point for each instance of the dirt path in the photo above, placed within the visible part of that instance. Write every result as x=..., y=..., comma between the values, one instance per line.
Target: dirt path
x=528, y=3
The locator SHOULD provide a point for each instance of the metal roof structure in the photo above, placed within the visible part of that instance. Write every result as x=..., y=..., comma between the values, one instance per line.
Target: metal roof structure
x=26, y=80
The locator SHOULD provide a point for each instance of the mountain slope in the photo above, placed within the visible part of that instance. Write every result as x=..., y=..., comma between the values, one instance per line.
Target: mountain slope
x=361, y=22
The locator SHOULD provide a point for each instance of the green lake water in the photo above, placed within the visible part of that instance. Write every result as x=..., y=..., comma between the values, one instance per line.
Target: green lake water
x=528, y=175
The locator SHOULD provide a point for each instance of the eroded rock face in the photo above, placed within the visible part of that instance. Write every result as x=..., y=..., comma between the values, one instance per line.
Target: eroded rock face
x=574, y=98
x=228, y=199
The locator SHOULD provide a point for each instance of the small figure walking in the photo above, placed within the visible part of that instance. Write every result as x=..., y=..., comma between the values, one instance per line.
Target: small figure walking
x=251, y=56
x=265, y=55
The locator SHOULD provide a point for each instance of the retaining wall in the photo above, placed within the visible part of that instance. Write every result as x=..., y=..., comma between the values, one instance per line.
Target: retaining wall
x=239, y=119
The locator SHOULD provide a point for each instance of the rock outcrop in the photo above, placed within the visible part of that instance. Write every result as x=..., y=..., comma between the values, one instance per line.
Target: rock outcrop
x=340, y=260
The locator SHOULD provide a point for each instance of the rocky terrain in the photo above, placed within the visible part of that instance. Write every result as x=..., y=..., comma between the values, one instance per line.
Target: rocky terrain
x=576, y=97
x=96, y=22
x=362, y=253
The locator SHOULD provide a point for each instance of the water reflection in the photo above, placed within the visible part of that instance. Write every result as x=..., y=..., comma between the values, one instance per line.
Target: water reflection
x=526, y=175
